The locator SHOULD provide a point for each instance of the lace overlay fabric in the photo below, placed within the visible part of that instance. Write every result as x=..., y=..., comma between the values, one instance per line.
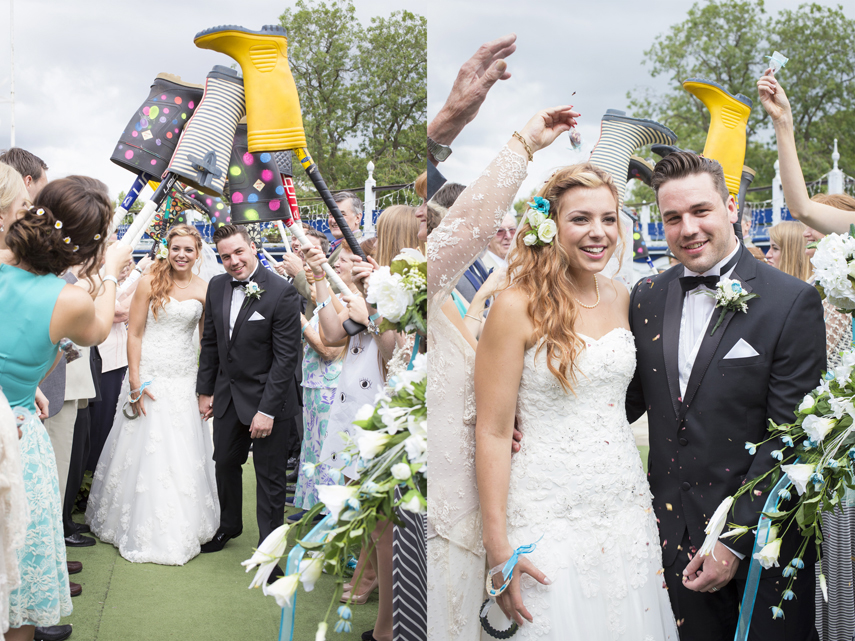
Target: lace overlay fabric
x=579, y=483
x=154, y=494
x=838, y=333
x=13, y=509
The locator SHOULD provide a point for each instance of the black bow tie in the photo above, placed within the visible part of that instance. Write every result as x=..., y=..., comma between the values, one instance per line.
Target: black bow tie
x=688, y=283
x=240, y=283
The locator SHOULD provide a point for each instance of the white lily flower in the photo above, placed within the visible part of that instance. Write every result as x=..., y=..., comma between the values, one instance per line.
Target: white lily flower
x=364, y=413
x=267, y=556
x=736, y=532
x=310, y=571
x=715, y=526
x=817, y=428
x=283, y=589
x=768, y=556
x=372, y=443
x=321, y=634
x=808, y=403
x=799, y=475
x=335, y=497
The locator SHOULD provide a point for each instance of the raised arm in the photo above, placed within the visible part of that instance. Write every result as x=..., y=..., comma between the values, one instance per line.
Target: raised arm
x=823, y=218
x=478, y=211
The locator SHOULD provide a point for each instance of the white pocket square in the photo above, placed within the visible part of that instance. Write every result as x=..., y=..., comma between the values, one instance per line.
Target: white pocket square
x=256, y=316
x=741, y=350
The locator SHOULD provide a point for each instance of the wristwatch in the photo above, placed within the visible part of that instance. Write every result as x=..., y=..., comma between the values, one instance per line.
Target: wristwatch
x=438, y=151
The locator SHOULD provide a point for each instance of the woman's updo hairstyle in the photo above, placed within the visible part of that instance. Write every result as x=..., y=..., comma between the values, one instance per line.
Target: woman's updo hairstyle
x=66, y=226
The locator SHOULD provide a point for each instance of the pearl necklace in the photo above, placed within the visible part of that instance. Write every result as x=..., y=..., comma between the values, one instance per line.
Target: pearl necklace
x=175, y=282
x=597, y=288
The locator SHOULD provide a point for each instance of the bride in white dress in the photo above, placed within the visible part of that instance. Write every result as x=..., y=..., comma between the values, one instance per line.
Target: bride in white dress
x=154, y=494
x=559, y=336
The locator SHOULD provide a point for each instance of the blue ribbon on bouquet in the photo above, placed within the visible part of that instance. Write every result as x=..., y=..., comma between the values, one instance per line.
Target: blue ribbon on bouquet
x=295, y=556
x=415, y=352
x=753, y=582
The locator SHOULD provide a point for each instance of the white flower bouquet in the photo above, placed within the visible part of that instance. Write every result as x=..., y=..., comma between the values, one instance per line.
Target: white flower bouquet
x=392, y=452
x=834, y=266
x=399, y=292
x=816, y=455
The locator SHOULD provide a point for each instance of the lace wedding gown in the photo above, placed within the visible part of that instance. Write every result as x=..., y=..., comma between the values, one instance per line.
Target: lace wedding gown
x=578, y=482
x=154, y=494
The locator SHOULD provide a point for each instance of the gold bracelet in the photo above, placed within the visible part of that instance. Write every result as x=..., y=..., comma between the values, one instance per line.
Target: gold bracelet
x=525, y=144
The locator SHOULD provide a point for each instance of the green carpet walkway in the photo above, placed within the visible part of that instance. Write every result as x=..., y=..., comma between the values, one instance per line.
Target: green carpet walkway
x=205, y=600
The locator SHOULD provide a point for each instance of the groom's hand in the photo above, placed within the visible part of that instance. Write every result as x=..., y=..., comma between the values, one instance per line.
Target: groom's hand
x=261, y=426
x=708, y=574
x=206, y=406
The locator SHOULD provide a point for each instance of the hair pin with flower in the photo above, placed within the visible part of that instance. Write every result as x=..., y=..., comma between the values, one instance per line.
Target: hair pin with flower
x=163, y=250
x=543, y=228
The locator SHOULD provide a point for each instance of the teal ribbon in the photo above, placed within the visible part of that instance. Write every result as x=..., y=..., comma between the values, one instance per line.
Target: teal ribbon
x=415, y=352
x=753, y=582
x=286, y=626
x=140, y=390
x=508, y=570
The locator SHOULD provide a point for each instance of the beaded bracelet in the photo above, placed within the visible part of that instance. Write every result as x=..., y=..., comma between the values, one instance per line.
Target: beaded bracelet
x=525, y=144
x=489, y=629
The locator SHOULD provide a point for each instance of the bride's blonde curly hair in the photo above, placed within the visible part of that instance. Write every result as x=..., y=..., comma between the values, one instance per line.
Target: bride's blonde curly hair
x=543, y=274
x=161, y=271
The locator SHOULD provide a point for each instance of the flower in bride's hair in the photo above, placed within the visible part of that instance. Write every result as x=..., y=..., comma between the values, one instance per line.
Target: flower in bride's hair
x=546, y=231
x=540, y=204
x=530, y=239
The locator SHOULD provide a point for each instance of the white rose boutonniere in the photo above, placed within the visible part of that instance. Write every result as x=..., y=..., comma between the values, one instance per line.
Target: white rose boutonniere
x=252, y=291
x=729, y=296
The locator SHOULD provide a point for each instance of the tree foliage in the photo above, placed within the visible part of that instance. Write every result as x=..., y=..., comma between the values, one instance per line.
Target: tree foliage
x=726, y=41
x=362, y=91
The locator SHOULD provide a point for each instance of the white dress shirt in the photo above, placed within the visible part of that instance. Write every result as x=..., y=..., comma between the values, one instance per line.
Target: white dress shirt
x=238, y=297
x=494, y=261
x=698, y=309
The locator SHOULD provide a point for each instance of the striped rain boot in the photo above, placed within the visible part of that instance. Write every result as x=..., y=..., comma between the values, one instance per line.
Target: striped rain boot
x=726, y=135
x=620, y=137
x=202, y=157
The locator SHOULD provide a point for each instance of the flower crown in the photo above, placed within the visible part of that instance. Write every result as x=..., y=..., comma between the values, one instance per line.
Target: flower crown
x=543, y=228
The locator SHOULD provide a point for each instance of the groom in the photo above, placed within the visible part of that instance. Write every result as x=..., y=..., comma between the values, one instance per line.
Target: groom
x=250, y=347
x=707, y=393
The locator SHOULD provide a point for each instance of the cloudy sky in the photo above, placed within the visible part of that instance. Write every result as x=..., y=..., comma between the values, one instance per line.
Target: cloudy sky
x=83, y=67
x=592, y=48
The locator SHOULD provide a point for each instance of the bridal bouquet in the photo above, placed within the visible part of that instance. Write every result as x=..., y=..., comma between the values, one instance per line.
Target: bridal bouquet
x=399, y=292
x=817, y=450
x=834, y=266
x=391, y=451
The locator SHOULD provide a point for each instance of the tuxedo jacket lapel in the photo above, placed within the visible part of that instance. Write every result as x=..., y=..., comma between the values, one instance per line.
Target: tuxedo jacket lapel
x=709, y=345
x=260, y=278
x=671, y=340
x=227, y=307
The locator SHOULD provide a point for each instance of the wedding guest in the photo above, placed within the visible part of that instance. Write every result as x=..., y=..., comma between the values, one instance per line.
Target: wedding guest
x=351, y=208
x=32, y=169
x=747, y=226
x=40, y=309
x=787, y=249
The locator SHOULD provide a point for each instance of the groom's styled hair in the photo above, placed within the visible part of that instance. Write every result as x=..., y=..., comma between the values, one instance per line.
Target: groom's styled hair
x=226, y=231
x=681, y=164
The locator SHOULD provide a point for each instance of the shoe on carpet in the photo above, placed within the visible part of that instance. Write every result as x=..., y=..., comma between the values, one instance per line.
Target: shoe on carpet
x=360, y=599
x=53, y=633
x=218, y=542
x=79, y=541
x=292, y=477
x=82, y=528
x=293, y=518
x=75, y=588
x=368, y=635
x=74, y=567
x=290, y=489
x=292, y=463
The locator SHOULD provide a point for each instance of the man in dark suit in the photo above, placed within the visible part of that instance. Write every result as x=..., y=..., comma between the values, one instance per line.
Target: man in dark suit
x=250, y=347
x=707, y=393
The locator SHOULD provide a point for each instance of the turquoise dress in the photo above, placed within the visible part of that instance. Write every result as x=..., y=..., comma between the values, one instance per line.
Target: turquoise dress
x=26, y=354
x=320, y=381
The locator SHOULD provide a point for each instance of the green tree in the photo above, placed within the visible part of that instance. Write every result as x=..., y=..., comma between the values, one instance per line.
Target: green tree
x=726, y=41
x=362, y=91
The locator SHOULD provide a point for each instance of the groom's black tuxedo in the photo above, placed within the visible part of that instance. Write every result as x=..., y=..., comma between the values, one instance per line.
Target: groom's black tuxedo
x=251, y=371
x=697, y=443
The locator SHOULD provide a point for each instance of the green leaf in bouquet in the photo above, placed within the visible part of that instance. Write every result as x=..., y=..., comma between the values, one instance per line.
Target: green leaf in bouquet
x=386, y=325
x=357, y=532
x=852, y=231
x=775, y=514
x=845, y=422
x=399, y=267
x=823, y=406
x=423, y=269
x=820, y=290
x=310, y=545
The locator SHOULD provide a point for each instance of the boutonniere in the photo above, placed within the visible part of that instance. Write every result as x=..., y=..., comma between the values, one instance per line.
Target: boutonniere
x=729, y=295
x=251, y=291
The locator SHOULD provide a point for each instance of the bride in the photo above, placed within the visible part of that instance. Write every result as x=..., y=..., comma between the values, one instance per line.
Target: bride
x=559, y=335
x=154, y=494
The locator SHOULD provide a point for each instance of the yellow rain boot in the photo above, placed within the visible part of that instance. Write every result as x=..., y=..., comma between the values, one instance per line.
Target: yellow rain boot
x=274, y=120
x=726, y=134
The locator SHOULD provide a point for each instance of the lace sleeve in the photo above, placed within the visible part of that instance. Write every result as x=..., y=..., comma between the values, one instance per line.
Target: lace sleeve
x=838, y=333
x=471, y=223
